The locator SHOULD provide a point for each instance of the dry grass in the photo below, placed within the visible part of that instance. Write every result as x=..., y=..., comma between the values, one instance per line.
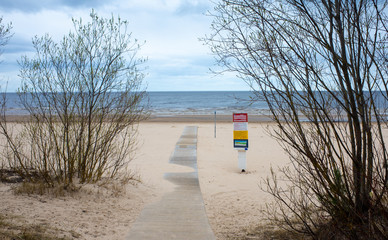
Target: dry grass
x=270, y=232
x=41, y=188
x=15, y=230
x=20, y=186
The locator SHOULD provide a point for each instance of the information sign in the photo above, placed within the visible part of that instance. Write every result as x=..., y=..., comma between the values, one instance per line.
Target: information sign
x=240, y=135
x=240, y=130
x=240, y=143
x=240, y=126
x=240, y=117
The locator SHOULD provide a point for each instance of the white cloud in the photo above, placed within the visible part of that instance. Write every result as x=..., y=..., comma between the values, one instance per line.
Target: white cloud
x=171, y=28
x=29, y=6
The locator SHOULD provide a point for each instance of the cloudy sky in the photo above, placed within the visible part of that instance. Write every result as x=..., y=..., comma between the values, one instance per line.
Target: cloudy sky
x=177, y=61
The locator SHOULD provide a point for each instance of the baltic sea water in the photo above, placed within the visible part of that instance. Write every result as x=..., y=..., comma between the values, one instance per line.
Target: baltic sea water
x=205, y=103
x=183, y=103
x=195, y=103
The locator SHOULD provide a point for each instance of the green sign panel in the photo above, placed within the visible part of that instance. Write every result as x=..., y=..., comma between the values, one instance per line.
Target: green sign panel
x=240, y=143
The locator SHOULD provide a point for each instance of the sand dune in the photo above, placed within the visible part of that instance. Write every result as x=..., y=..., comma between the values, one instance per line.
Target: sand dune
x=233, y=199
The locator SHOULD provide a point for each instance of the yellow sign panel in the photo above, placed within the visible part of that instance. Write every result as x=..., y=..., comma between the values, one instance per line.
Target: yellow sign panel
x=240, y=134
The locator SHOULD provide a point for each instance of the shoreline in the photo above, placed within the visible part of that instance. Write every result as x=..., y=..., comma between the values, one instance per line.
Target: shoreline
x=192, y=118
x=206, y=118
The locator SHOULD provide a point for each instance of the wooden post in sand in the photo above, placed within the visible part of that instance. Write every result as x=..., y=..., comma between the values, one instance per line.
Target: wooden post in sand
x=215, y=124
x=240, y=138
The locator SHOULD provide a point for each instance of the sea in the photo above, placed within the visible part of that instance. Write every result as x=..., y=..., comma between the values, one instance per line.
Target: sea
x=164, y=104
x=205, y=103
x=183, y=103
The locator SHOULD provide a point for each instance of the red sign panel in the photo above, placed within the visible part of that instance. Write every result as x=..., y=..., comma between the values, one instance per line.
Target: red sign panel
x=240, y=117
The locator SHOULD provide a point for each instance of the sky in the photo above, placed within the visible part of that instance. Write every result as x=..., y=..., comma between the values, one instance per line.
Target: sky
x=177, y=60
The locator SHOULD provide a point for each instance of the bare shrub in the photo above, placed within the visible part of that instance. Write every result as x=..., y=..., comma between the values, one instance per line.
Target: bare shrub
x=321, y=66
x=84, y=98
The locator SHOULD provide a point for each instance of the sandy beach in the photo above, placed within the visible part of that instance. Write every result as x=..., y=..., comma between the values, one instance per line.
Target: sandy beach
x=233, y=199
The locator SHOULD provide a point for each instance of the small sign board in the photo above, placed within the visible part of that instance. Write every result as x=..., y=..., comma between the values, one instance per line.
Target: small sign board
x=240, y=117
x=240, y=135
x=240, y=126
x=240, y=143
x=240, y=130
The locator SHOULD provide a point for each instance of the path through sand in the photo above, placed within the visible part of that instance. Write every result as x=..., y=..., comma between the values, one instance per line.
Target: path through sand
x=179, y=214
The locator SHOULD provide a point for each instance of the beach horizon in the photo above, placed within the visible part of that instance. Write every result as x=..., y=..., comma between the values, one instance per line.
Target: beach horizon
x=188, y=118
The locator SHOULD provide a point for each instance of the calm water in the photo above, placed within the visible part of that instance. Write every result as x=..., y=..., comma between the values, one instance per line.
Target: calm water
x=183, y=103
x=194, y=103
x=204, y=103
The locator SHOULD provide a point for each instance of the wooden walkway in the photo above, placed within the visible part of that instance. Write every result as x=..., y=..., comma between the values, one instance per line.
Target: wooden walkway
x=179, y=214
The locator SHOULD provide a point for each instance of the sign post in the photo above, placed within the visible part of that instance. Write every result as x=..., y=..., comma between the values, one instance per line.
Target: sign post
x=215, y=124
x=240, y=138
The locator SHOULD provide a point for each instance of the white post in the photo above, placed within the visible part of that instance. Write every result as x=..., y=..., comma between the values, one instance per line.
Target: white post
x=240, y=138
x=242, y=159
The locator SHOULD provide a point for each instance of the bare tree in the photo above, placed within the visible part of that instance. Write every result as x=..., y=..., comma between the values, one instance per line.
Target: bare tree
x=84, y=97
x=322, y=68
x=5, y=33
